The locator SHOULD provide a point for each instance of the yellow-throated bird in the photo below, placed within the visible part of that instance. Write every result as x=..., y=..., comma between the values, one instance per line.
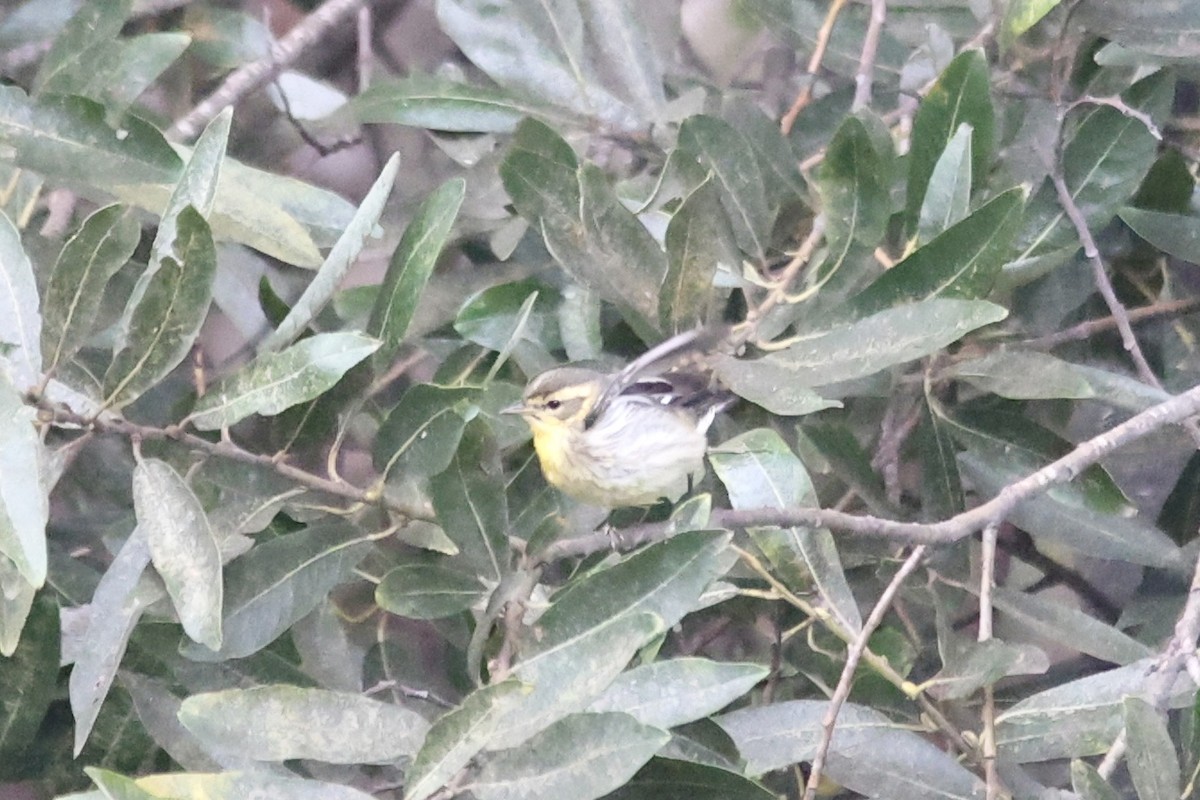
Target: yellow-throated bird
x=627, y=438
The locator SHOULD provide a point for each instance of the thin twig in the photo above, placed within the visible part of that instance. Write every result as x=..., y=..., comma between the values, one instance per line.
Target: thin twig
x=987, y=582
x=866, y=61
x=814, y=63
x=782, y=283
x=1173, y=660
x=853, y=656
x=1091, y=327
x=257, y=74
x=225, y=448
x=1169, y=412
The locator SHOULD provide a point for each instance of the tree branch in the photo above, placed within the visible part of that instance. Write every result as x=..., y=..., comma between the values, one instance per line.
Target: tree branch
x=1173, y=411
x=257, y=74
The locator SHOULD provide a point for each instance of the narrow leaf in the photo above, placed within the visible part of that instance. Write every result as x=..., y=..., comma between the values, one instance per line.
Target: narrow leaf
x=20, y=319
x=865, y=347
x=473, y=511
x=948, y=197
x=440, y=104
x=679, y=690
x=182, y=546
x=963, y=261
x=92, y=24
x=275, y=382
x=329, y=277
x=116, y=607
x=29, y=675
x=457, y=736
x=962, y=94
x=24, y=492
x=231, y=785
x=724, y=152
x=427, y=591
x=421, y=434
x=581, y=757
x=276, y=723
x=411, y=265
x=164, y=323
x=1023, y=375
x=1175, y=234
x=567, y=675
x=270, y=588
x=759, y=470
x=698, y=243
x=88, y=260
x=1151, y=755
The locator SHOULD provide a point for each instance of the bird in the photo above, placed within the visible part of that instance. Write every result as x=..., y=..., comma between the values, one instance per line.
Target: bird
x=629, y=438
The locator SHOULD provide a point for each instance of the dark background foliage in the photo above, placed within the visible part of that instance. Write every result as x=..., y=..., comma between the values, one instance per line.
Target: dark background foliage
x=270, y=270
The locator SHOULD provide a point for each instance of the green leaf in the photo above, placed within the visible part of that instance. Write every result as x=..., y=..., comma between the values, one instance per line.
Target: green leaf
x=116, y=71
x=1023, y=375
x=16, y=603
x=1062, y=516
x=1089, y=784
x=963, y=261
x=1078, y=718
x=437, y=103
x=596, y=62
x=421, y=434
x=182, y=546
x=411, y=265
x=850, y=462
x=275, y=382
x=758, y=470
x=230, y=785
x=115, y=786
x=164, y=323
x=116, y=607
x=1105, y=155
x=1175, y=234
x=862, y=348
x=457, y=736
x=1068, y=626
x=69, y=56
x=157, y=710
x=1021, y=15
x=698, y=243
x=776, y=160
x=727, y=156
x=679, y=690
x=329, y=277
x=581, y=757
x=1151, y=753
x=67, y=139
x=539, y=174
x=671, y=779
x=20, y=321
x=528, y=310
x=962, y=94
x=88, y=260
x=29, y=675
x=1159, y=27
x=941, y=485
x=270, y=588
x=869, y=753
x=666, y=578
x=853, y=183
x=473, y=511
x=567, y=673
x=276, y=723
x=427, y=591
x=24, y=490
x=948, y=196
x=968, y=665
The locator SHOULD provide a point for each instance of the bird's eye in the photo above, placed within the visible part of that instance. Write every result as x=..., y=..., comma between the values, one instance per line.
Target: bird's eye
x=554, y=405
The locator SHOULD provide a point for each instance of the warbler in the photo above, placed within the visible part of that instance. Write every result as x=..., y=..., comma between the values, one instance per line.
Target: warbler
x=624, y=439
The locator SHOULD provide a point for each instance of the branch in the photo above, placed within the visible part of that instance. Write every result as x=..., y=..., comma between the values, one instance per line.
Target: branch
x=1091, y=327
x=853, y=655
x=814, y=63
x=257, y=74
x=866, y=62
x=1175, y=410
x=227, y=449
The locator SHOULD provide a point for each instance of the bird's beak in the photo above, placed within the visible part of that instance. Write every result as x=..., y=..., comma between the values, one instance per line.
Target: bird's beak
x=515, y=408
